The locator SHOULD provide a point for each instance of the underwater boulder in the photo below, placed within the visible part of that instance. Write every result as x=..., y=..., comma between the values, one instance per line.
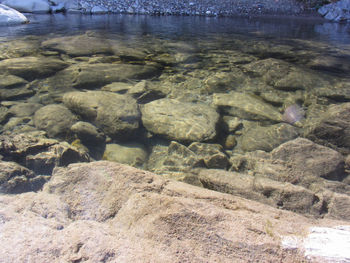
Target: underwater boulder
x=180, y=121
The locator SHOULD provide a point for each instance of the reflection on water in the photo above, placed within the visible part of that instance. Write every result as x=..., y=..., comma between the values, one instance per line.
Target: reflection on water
x=171, y=94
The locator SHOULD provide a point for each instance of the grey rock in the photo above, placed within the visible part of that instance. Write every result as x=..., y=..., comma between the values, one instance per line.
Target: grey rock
x=4, y=114
x=225, y=81
x=17, y=146
x=39, y=154
x=173, y=161
x=24, y=109
x=10, y=81
x=146, y=91
x=246, y=106
x=19, y=48
x=116, y=115
x=14, y=178
x=55, y=119
x=76, y=46
x=212, y=154
x=133, y=154
x=31, y=68
x=88, y=133
x=94, y=76
x=283, y=76
x=60, y=154
x=98, y=10
x=332, y=128
x=307, y=158
x=180, y=121
x=31, y=6
x=267, y=138
x=117, y=87
x=16, y=93
x=338, y=11
x=15, y=123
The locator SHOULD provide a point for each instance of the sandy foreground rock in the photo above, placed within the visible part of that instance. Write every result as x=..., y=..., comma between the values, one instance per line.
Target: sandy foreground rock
x=108, y=212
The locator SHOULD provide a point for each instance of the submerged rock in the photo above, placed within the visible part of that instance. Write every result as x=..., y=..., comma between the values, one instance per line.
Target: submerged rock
x=133, y=154
x=88, y=133
x=10, y=81
x=77, y=46
x=116, y=115
x=31, y=68
x=9, y=16
x=180, y=121
x=332, y=128
x=37, y=153
x=94, y=76
x=55, y=119
x=266, y=138
x=246, y=106
x=15, y=178
x=283, y=76
x=19, y=48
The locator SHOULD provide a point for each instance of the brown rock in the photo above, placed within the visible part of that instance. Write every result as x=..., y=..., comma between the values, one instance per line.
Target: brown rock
x=107, y=212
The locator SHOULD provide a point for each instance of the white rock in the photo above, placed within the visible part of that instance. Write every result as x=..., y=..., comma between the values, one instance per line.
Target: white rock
x=332, y=244
x=9, y=16
x=98, y=10
x=29, y=6
x=326, y=244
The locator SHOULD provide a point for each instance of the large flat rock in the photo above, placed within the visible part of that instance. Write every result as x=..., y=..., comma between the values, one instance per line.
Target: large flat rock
x=109, y=212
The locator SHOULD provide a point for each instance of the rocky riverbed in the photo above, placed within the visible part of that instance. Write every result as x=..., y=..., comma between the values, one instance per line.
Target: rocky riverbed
x=256, y=119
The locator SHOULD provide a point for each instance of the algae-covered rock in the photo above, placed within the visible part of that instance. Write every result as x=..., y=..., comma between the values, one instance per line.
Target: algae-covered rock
x=133, y=154
x=31, y=68
x=55, y=119
x=246, y=106
x=116, y=115
x=267, y=138
x=180, y=121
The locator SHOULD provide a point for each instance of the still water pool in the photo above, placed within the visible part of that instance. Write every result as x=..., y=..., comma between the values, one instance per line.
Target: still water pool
x=264, y=97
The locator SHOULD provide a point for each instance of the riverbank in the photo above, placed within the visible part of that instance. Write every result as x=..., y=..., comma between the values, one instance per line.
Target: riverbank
x=163, y=7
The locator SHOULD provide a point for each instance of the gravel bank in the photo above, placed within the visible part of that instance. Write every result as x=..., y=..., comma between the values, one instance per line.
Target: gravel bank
x=192, y=7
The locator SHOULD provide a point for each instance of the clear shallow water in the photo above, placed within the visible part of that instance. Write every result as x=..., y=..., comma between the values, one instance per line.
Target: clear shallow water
x=276, y=63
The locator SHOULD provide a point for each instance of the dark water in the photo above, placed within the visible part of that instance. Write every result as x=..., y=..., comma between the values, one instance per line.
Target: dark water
x=173, y=27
